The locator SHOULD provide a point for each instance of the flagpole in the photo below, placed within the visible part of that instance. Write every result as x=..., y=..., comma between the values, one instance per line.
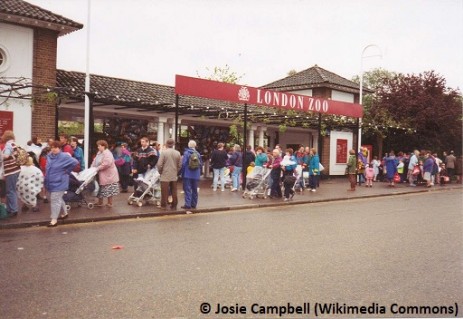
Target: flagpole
x=87, y=98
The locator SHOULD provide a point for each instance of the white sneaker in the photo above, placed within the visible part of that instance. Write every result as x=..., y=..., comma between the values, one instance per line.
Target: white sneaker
x=214, y=190
x=234, y=189
x=223, y=189
x=313, y=190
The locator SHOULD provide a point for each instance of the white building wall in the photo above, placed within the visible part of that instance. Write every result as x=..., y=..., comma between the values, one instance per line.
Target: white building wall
x=18, y=43
x=342, y=96
x=339, y=169
x=303, y=92
x=296, y=137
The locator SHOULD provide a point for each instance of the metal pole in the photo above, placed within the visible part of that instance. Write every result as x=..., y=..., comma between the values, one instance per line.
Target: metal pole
x=87, y=98
x=359, y=120
x=56, y=122
x=359, y=138
x=176, y=119
x=89, y=147
x=245, y=140
x=320, y=138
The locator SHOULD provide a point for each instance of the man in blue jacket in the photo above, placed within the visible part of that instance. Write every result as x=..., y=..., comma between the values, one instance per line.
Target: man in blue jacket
x=191, y=172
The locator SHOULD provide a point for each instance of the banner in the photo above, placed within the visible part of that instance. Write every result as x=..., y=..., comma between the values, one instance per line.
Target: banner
x=245, y=94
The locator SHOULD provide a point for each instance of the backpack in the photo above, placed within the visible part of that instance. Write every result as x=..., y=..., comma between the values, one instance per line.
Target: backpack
x=193, y=161
x=20, y=156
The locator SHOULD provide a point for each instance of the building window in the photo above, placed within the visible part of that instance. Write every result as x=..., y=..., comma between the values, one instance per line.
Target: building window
x=4, y=61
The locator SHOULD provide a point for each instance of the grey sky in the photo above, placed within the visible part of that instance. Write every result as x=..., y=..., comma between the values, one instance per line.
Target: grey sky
x=152, y=40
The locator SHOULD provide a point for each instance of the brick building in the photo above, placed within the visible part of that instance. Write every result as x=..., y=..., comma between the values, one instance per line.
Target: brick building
x=28, y=49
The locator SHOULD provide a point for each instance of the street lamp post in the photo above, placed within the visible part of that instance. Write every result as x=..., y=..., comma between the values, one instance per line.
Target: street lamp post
x=88, y=107
x=361, y=85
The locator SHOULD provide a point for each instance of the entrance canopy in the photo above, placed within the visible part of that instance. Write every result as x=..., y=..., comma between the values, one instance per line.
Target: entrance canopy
x=254, y=96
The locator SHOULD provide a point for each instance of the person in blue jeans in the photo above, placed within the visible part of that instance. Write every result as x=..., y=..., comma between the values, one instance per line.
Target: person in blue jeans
x=219, y=159
x=236, y=160
x=11, y=171
x=190, y=177
x=314, y=170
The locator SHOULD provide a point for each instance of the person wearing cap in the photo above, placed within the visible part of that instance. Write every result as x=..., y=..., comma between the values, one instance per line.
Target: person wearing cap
x=169, y=166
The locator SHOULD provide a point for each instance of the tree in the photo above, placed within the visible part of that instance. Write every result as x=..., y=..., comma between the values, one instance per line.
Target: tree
x=418, y=111
x=222, y=75
x=376, y=124
x=292, y=72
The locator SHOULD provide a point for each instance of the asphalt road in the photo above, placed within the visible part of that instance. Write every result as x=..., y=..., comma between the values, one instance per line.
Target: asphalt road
x=404, y=250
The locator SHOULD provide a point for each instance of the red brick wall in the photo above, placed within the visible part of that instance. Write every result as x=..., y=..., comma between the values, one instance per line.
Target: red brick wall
x=325, y=155
x=44, y=73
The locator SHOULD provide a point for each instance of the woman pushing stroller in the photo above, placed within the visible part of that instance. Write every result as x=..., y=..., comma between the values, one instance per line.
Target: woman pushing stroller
x=108, y=176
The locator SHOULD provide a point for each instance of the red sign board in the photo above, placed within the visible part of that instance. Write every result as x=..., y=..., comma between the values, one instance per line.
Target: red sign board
x=6, y=121
x=245, y=94
x=341, y=151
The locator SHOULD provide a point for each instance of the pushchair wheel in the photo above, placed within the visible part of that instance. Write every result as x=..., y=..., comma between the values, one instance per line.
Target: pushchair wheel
x=90, y=205
x=130, y=202
x=68, y=208
x=140, y=204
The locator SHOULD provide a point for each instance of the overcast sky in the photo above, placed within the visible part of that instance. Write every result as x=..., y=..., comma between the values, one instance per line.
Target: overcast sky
x=152, y=40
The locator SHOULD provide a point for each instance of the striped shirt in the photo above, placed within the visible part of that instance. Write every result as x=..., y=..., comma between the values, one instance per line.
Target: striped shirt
x=9, y=163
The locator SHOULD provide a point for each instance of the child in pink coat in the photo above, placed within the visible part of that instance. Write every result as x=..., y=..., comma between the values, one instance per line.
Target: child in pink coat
x=369, y=175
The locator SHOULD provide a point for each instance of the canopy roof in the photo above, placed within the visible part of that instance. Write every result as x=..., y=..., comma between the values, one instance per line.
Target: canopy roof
x=149, y=99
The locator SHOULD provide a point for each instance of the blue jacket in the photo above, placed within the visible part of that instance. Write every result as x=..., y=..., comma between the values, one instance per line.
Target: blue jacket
x=186, y=172
x=79, y=155
x=57, y=171
x=291, y=168
x=391, y=166
x=261, y=159
x=236, y=159
x=314, y=165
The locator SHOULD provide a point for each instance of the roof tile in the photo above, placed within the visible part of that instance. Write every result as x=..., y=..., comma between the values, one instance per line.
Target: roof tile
x=310, y=78
x=24, y=9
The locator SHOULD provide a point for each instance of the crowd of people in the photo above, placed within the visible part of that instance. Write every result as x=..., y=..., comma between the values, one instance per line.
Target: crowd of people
x=416, y=168
x=118, y=167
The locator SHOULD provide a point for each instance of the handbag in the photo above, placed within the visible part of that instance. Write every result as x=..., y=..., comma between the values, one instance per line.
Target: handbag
x=396, y=178
x=416, y=170
x=320, y=167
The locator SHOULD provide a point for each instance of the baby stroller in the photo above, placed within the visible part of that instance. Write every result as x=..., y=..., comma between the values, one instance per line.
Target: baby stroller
x=227, y=178
x=299, y=175
x=257, y=183
x=148, y=186
x=81, y=185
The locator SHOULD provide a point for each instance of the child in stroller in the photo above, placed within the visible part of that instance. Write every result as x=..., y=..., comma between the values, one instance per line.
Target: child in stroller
x=257, y=183
x=81, y=185
x=147, y=185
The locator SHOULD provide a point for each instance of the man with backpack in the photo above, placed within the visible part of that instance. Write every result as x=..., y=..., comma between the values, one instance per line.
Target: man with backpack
x=191, y=172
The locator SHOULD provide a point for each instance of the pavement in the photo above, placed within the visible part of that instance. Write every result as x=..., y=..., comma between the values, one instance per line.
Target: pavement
x=331, y=189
